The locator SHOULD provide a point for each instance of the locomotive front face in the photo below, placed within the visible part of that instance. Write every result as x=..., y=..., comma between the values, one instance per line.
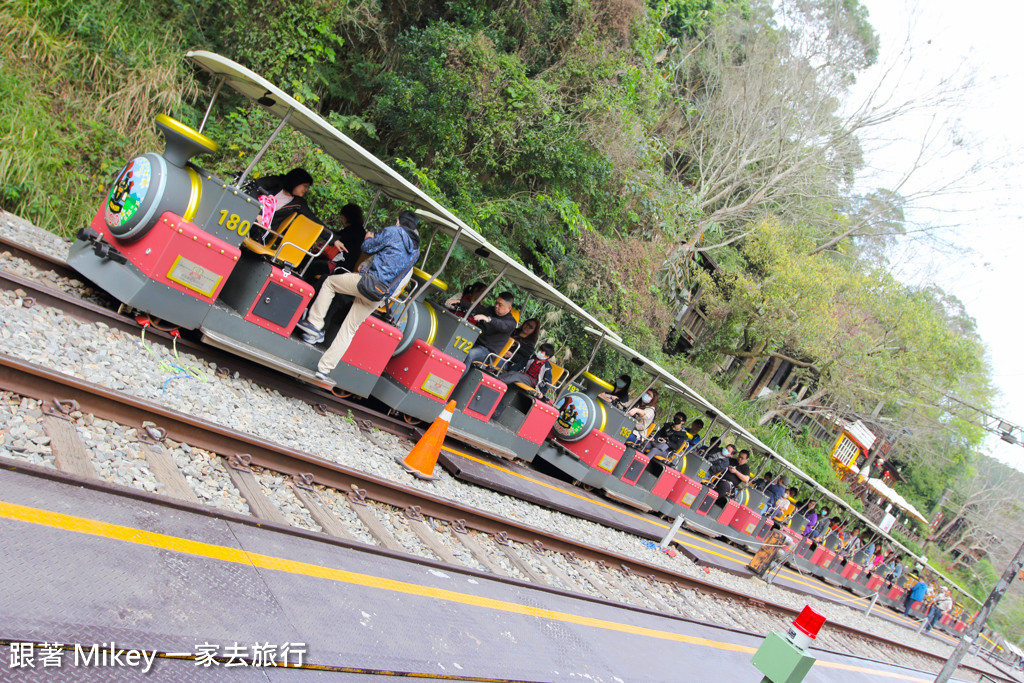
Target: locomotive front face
x=168, y=234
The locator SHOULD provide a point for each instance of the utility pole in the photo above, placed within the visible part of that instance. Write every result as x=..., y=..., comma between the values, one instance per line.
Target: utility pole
x=979, y=622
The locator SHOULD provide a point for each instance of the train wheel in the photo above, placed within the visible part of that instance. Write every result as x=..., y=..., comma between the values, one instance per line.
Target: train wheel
x=409, y=419
x=341, y=393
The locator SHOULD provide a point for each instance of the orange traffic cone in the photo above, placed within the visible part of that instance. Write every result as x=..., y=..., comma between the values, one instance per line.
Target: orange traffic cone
x=423, y=457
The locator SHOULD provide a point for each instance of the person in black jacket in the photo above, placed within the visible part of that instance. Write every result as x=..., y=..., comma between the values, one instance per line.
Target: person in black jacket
x=496, y=326
x=342, y=253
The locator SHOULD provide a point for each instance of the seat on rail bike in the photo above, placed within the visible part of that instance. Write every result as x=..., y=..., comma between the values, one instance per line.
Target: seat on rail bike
x=556, y=374
x=291, y=242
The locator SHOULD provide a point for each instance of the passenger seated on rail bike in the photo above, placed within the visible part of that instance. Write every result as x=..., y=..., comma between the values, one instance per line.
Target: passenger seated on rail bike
x=669, y=439
x=679, y=419
x=281, y=196
x=776, y=491
x=395, y=251
x=342, y=254
x=738, y=472
x=866, y=554
x=618, y=397
x=786, y=506
x=852, y=544
x=526, y=338
x=893, y=569
x=718, y=461
x=643, y=416
x=496, y=325
x=693, y=437
x=536, y=374
x=708, y=449
x=820, y=528
x=810, y=513
x=460, y=304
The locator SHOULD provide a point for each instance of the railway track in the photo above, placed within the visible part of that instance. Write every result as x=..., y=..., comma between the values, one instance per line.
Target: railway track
x=436, y=523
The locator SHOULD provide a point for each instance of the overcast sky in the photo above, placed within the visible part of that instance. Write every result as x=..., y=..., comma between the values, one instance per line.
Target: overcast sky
x=983, y=260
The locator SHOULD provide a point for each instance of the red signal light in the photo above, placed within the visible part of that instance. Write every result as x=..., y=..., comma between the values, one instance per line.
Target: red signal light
x=809, y=622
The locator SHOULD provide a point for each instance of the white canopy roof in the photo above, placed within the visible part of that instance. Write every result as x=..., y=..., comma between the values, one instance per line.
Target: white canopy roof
x=899, y=501
x=381, y=176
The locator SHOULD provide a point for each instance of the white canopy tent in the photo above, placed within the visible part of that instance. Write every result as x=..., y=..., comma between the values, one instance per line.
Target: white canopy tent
x=895, y=498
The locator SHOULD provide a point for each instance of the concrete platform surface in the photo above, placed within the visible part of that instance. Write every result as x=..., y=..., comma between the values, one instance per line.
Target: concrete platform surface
x=84, y=566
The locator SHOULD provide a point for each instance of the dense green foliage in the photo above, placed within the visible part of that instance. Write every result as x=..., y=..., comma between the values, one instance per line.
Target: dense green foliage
x=605, y=143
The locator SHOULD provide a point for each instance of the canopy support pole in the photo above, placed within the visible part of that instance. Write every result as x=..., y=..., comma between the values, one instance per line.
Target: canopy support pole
x=264, y=148
x=585, y=368
x=373, y=205
x=209, y=107
x=440, y=268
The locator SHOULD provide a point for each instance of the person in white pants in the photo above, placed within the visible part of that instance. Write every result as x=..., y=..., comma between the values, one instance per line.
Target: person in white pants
x=395, y=250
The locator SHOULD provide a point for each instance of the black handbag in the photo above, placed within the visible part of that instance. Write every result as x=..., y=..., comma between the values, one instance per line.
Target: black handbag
x=371, y=287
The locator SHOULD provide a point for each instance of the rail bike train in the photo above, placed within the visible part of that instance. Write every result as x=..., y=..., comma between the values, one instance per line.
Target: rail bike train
x=172, y=241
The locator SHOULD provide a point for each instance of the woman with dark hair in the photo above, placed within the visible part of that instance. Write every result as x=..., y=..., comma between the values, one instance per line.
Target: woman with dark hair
x=526, y=335
x=350, y=237
x=281, y=196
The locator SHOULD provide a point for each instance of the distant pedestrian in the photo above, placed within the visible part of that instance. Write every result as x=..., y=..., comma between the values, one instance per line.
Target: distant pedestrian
x=916, y=594
x=942, y=605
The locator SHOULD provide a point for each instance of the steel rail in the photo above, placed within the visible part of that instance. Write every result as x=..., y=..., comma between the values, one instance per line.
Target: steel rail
x=92, y=313
x=30, y=380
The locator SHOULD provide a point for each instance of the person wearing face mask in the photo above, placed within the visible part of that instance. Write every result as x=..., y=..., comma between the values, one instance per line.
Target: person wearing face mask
x=536, y=374
x=718, y=460
x=620, y=396
x=643, y=416
x=677, y=424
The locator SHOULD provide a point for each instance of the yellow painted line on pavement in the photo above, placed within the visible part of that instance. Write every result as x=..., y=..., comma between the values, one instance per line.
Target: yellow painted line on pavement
x=92, y=527
x=186, y=546
x=861, y=669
